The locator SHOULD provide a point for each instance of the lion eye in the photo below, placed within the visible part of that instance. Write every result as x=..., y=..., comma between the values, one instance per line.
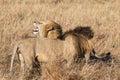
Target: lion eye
x=50, y=29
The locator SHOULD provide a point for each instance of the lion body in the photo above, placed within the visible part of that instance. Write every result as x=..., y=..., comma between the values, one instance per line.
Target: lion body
x=49, y=49
x=45, y=50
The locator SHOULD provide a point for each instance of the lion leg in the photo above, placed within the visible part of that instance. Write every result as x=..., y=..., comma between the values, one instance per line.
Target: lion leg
x=69, y=62
x=87, y=57
x=22, y=63
x=12, y=60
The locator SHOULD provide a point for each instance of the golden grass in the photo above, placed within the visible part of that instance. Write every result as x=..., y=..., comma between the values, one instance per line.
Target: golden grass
x=17, y=16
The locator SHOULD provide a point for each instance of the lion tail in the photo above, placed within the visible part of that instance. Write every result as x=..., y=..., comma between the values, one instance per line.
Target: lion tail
x=105, y=56
x=12, y=59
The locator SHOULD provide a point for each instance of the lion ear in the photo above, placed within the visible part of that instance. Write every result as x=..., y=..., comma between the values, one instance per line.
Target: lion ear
x=50, y=28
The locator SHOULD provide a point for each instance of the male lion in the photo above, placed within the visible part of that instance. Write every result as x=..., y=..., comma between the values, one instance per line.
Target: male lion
x=46, y=49
x=48, y=29
x=45, y=29
x=71, y=46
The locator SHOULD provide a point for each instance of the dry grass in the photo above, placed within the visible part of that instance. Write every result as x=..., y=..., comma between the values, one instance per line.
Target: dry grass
x=16, y=17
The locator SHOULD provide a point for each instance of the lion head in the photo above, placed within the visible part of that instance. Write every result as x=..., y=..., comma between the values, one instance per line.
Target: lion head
x=47, y=29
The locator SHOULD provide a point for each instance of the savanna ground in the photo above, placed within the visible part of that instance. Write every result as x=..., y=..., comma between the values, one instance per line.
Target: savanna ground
x=103, y=16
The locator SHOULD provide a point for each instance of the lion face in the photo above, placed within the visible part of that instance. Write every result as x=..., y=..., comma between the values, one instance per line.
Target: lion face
x=48, y=29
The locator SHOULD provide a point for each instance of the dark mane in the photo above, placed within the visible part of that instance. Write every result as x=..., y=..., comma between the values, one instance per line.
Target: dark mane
x=85, y=31
x=65, y=34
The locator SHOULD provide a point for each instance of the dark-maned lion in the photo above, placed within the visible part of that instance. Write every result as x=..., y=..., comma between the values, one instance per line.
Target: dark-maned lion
x=46, y=49
x=71, y=46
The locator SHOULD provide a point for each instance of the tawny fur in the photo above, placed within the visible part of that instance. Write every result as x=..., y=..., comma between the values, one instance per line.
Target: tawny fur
x=48, y=29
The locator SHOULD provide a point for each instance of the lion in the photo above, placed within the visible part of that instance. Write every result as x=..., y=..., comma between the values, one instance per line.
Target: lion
x=47, y=29
x=45, y=50
x=71, y=46
x=44, y=29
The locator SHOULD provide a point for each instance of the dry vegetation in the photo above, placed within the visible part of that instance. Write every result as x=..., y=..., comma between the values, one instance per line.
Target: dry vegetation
x=16, y=17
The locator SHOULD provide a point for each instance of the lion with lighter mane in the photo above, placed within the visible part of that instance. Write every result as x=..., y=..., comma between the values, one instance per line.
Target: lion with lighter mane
x=47, y=29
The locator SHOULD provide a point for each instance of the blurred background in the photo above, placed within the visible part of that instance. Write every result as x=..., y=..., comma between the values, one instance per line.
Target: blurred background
x=103, y=16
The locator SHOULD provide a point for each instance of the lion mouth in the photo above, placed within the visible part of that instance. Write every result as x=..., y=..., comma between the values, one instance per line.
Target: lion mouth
x=35, y=31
